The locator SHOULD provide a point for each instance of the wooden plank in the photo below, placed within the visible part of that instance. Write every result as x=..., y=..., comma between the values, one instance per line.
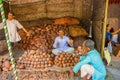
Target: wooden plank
x=53, y=68
x=59, y=69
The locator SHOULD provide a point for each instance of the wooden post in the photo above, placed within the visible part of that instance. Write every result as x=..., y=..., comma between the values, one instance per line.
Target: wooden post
x=104, y=29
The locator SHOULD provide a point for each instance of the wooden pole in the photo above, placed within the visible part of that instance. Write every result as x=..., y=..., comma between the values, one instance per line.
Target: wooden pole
x=7, y=39
x=104, y=28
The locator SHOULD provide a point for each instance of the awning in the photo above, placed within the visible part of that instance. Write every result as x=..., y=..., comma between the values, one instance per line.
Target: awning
x=114, y=1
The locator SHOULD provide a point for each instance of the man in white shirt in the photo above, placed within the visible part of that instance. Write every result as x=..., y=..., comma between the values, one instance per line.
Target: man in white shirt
x=61, y=43
x=12, y=25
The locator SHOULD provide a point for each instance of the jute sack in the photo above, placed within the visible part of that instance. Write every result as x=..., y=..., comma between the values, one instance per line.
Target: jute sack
x=76, y=31
x=66, y=20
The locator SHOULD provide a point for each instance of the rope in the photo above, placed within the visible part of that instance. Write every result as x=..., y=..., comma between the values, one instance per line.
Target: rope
x=7, y=38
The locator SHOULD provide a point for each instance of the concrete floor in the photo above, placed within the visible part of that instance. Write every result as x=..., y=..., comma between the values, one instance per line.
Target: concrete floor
x=114, y=68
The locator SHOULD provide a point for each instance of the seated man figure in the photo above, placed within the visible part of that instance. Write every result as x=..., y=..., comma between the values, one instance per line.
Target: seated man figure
x=61, y=43
x=91, y=64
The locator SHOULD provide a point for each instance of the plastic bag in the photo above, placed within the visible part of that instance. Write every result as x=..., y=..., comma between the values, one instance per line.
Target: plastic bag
x=107, y=55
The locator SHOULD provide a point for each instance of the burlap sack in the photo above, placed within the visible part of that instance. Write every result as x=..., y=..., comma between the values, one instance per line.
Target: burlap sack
x=67, y=20
x=76, y=31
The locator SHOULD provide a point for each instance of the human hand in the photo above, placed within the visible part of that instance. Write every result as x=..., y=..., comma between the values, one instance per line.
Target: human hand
x=70, y=42
x=80, y=50
x=28, y=34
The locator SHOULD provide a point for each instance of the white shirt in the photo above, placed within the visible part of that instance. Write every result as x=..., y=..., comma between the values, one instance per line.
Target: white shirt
x=115, y=38
x=12, y=26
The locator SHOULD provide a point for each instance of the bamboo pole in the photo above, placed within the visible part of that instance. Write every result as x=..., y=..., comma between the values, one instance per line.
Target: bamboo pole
x=104, y=28
x=7, y=39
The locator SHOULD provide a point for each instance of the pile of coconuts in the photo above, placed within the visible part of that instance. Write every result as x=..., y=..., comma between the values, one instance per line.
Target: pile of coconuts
x=36, y=59
x=66, y=60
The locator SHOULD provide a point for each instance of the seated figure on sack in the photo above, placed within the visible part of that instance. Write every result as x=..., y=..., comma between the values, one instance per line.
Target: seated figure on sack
x=62, y=43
